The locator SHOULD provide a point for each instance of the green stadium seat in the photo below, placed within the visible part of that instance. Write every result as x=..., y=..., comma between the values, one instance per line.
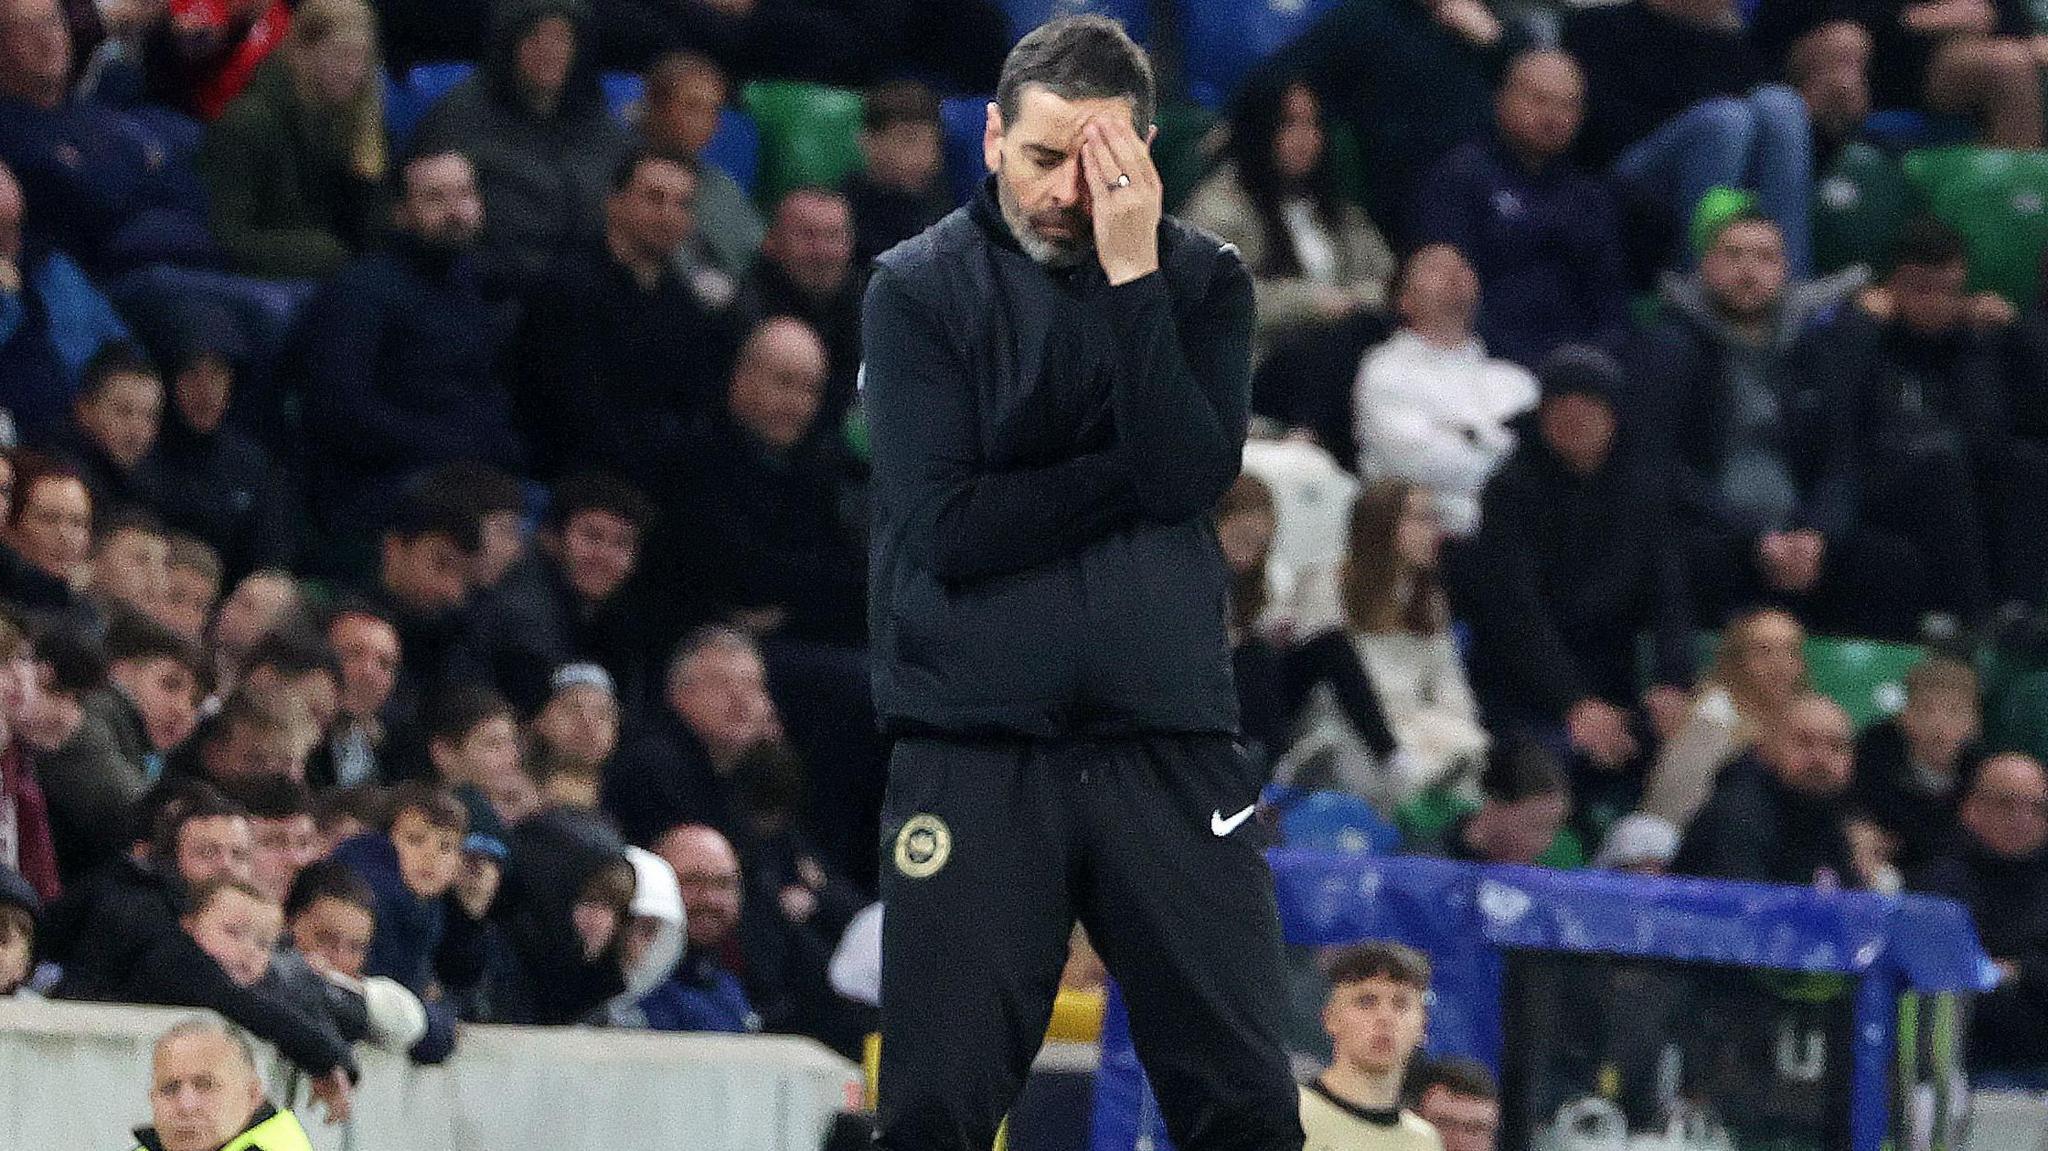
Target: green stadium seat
x=1858, y=205
x=1178, y=151
x=810, y=135
x=1866, y=677
x=1998, y=199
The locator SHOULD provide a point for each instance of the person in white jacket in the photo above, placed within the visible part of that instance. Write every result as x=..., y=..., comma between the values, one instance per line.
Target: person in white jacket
x=653, y=942
x=1430, y=406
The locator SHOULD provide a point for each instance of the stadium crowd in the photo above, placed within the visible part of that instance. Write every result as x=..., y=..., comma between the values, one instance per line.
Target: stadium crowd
x=434, y=561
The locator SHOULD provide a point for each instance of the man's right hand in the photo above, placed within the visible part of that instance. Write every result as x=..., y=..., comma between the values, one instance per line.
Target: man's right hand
x=335, y=1093
x=1600, y=731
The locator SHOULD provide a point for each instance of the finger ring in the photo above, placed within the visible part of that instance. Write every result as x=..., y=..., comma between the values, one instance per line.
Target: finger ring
x=1123, y=179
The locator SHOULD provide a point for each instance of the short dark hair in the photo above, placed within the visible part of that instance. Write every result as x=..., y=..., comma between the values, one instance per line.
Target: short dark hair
x=163, y=811
x=1925, y=242
x=328, y=879
x=599, y=492
x=294, y=650
x=461, y=708
x=434, y=803
x=434, y=513
x=263, y=712
x=1079, y=58
x=115, y=358
x=133, y=636
x=366, y=803
x=269, y=796
x=1519, y=768
x=630, y=164
x=76, y=657
x=1456, y=1074
x=190, y=553
x=34, y=468
x=114, y=521
x=667, y=74
x=898, y=102
x=1379, y=959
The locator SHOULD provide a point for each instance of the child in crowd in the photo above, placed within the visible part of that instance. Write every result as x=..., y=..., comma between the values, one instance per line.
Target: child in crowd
x=1907, y=767
x=575, y=734
x=330, y=917
x=234, y=924
x=473, y=744
x=412, y=866
x=1375, y=1017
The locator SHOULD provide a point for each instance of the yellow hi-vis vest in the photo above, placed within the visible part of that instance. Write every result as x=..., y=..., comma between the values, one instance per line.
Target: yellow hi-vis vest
x=280, y=1132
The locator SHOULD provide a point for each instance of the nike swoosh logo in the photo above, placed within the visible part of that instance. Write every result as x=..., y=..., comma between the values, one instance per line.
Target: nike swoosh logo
x=1221, y=827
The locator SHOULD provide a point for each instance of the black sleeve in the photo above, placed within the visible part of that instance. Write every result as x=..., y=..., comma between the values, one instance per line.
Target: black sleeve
x=1509, y=614
x=1330, y=659
x=460, y=959
x=176, y=973
x=1723, y=844
x=965, y=522
x=1183, y=390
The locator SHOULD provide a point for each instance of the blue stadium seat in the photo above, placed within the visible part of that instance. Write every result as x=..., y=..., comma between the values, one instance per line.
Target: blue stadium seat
x=1333, y=821
x=735, y=148
x=962, y=119
x=1135, y=15
x=1222, y=39
x=622, y=92
x=406, y=101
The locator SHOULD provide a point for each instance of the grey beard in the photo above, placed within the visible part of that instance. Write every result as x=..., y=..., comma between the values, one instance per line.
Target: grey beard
x=1040, y=249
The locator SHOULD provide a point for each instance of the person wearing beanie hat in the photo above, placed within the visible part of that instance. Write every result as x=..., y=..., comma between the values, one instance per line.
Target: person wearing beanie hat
x=575, y=735
x=1574, y=559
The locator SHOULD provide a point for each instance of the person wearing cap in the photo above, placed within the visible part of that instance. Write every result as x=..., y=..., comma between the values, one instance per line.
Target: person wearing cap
x=651, y=941
x=1641, y=844
x=1761, y=444
x=1543, y=234
x=575, y=735
x=1573, y=560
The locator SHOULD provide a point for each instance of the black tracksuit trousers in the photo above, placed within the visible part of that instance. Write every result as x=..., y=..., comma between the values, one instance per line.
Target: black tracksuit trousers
x=992, y=849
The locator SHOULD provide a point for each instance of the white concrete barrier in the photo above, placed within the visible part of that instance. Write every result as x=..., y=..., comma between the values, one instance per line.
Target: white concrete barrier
x=75, y=1076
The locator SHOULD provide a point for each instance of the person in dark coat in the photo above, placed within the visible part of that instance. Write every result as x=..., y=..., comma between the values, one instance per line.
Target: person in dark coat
x=567, y=886
x=899, y=190
x=618, y=357
x=1544, y=236
x=1779, y=814
x=534, y=122
x=115, y=420
x=1909, y=767
x=1999, y=872
x=1575, y=559
x=807, y=271
x=213, y=479
x=398, y=355
x=52, y=320
x=423, y=588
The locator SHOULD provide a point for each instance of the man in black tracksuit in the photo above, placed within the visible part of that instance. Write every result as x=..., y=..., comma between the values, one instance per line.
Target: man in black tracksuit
x=1056, y=382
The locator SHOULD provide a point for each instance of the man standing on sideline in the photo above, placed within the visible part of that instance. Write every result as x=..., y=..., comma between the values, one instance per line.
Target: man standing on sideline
x=1056, y=382
x=205, y=1095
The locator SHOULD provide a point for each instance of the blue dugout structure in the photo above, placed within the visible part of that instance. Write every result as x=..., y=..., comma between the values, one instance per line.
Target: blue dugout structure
x=1601, y=997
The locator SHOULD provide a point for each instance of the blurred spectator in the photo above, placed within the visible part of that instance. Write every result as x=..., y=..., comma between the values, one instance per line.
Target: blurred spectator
x=297, y=662
x=1315, y=258
x=342, y=813
x=20, y=908
x=148, y=708
x=330, y=917
x=679, y=767
x=282, y=837
x=367, y=646
x=131, y=564
x=534, y=123
x=1931, y=369
x=1543, y=236
x=1997, y=871
x=52, y=319
x=1831, y=70
x=212, y=478
x=23, y=582
x=191, y=586
x=1762, y=450
x=500, y=504
x=423, y=583
x=678, y=117
x=1639, y=844
x=703, y=994
x=1376, y=1014
x=235, y=925
x=51, y=526
x=1908, y=767
x=99, y=188
x=1520, y=818
x=577, y=730
x=117, y=932
x=618, y=356
x=412, y=864
x=1573, y=561
x=115, y=418
x=807, y=271
x=1459, y=1098
x=472, y=738
x=295, y=170
x=1385, y=597
x=205, y=1092
x=1969, y=60
x=1778, y=814
x=1758, y=671
x=1432, y=407
x=400, y=351
x=266, y=600
x=1368, y=62
x=203, y=53
x=260, y=733
x=1678, y=102
x=567, y=890
x=27, y=851
x=651, y=938
x=569, y=602
x=765, y=535
x=900, y=189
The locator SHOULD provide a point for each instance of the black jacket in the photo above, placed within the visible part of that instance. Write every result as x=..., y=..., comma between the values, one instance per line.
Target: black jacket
x=2009, y=900
x=1755, y=828
x=1887, y=789
x=117, y=937
x=1047, y=452
x=534, y=622
x=1917, y=394
x=538, y=974
x=1566, y=571
x=770, y=293
x=1643, y=67
x=663, y=777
